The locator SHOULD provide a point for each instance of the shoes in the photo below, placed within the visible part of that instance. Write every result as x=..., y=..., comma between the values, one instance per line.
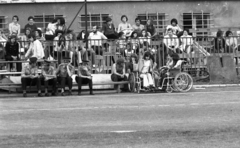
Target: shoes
x=24, y=94
x=70, y=93
x=62, y=94
x=47, y=94
x=91, y=93
x=79, y=93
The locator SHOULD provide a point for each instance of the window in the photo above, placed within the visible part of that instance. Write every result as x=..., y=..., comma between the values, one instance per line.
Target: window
x=93, y=19
x=197, y=20
x=3, y=22
x=159, y=20
x=43, y=20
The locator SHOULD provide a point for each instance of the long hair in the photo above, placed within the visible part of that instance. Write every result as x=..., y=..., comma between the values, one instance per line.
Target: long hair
x=62, y=39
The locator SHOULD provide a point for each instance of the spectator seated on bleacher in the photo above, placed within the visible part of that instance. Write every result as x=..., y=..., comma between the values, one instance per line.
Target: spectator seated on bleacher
x=35, y=49
x=30, y=77
x=146, y=69
x=144, y=37
x=138, y=27
x=231, y=42
x=2, y=56
x=84, y=77
x=109, y=29
x=171, y=41
x=60, y=47
x=96, y=38
x=135, y=43
x=219, y=43
x=61, y=24
x=150, y=28
x=12, y=53
x=49, y=77
x=119, y=72
x=121, y=43
x=128, y=52
x=14, y=27
x=25, y=40
x=3, y=38
x=50, y=30
x=186, y=42
x=30, y=25
x=124, y=26
x=176, y=30
x=64, y=74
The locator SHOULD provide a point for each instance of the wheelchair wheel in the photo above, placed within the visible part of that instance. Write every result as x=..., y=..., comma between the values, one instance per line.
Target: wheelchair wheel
x=132, y=83
x=183, y=82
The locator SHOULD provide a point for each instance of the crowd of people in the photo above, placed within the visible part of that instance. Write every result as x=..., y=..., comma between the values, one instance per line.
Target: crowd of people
x=133, y=44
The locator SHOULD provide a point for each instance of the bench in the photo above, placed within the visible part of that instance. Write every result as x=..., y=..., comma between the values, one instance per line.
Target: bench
x=19, y=86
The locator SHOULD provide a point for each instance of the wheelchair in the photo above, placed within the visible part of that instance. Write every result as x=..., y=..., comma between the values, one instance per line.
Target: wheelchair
x=174, y=80
x=166, y=79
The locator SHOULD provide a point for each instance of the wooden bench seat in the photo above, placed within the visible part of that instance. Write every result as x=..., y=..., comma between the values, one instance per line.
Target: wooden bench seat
x=18, y=86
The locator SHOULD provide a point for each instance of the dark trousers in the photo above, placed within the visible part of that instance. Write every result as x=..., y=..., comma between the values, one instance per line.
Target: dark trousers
x=116, y=78
x=30, y=82
x=18, y=65
x=63, y=81
x=112, y=36
x=51, y=82
x=80, y=81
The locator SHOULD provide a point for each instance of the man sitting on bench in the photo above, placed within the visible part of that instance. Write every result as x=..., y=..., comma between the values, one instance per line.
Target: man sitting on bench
x=30, y=77
x=84, y=77
x=64, y=74
x=49, y=77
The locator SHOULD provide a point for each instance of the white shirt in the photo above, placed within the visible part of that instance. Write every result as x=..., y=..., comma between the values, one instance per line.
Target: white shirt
x=51, y=29
x=35, y=50
x=186, y=40
x=96, y=38
x=14, y=29
x=232, y=41
x=171, y=41
x=174, y=28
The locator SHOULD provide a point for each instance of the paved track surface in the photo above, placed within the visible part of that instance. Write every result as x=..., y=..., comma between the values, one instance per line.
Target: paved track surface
x=195, y=119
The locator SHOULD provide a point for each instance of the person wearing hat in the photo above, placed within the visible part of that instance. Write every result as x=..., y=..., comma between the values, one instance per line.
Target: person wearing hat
x=30, y=76
x=49, y=77
x=109, y=29
x=64, y=74
x=84, y=76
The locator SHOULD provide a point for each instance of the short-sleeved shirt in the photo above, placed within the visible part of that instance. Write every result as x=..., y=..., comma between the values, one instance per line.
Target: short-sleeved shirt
x=50, y=71
x=28, y=70
x=62, y=70
x=138, y=29
x=85, y=70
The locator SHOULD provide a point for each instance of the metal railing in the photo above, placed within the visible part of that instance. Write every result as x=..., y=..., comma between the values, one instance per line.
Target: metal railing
x=103, y=53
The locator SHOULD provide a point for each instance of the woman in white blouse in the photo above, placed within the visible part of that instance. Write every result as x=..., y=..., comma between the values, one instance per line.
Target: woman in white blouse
x=14, y=27
x=125, y=27
x=187, y=42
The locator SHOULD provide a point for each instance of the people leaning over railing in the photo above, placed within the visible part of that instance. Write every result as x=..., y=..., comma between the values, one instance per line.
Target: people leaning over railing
x=64, y=74
x=84, y=77
x=30, y=76
x=171, y=41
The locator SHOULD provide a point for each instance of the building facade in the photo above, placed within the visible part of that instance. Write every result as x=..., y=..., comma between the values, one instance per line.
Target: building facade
x=189, y=13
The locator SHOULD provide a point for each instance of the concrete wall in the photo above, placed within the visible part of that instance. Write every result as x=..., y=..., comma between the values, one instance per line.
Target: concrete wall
x=225, y=13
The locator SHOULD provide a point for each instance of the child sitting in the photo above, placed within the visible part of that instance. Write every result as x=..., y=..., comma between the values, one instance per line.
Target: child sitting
x=145, y=71
x=121, y=43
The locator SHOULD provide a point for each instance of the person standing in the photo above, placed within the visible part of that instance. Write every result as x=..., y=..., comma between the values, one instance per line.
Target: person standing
x=64, y=74
x=30, y=26
x=49, y=77
x=14, y=26
x=84, y=77
x=30, y=76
